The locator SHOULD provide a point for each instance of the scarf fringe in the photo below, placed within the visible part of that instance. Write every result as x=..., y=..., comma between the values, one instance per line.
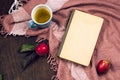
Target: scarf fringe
x=54, y=77
x=16, y=4
x=2, y=30
x=53, y=63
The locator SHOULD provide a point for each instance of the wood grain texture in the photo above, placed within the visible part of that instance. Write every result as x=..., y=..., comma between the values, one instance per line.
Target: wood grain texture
x=10, y=57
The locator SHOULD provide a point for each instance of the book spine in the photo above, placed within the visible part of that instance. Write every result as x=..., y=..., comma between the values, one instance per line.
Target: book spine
x=65, y=34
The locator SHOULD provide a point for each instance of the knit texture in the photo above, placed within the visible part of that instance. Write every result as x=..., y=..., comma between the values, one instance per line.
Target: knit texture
x=107, y=46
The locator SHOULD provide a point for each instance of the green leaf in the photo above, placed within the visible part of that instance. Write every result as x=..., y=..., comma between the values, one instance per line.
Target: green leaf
x=1, y=77
x=27, y=47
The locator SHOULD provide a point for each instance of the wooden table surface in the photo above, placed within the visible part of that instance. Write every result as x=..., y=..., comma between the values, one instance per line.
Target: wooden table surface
x=10, y=57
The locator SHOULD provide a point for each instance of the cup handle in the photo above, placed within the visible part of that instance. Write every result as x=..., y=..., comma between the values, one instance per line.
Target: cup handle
x=32, y=24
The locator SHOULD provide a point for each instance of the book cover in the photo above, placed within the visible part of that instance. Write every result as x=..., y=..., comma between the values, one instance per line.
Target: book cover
x=80, y=37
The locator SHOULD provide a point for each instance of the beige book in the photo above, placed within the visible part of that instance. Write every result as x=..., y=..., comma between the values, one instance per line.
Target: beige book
x=80, y=37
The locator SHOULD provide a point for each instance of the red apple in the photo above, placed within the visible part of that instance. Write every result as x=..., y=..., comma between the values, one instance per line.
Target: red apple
x=103, y=66
x=42, y=49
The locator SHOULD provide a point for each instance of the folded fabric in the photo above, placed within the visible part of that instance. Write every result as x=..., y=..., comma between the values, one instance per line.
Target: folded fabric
x=107, y=46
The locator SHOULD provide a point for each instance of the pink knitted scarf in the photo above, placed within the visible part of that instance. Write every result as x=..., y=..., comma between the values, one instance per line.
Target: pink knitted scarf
x=107, y=47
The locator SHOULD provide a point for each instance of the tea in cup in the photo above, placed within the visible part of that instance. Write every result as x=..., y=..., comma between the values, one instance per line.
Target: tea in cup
x=41, y=16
